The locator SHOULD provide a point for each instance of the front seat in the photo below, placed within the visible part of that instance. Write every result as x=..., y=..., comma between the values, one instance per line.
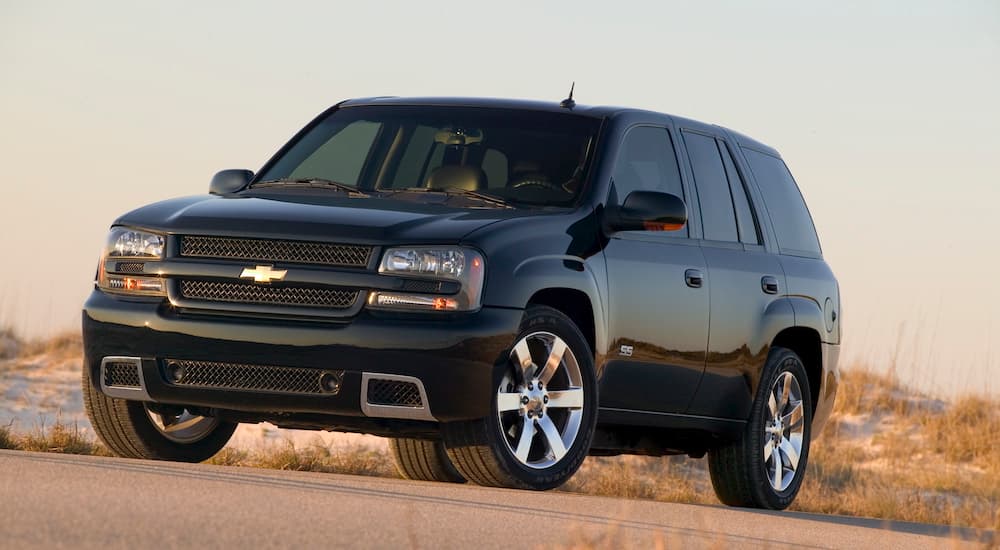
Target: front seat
x=470, y=178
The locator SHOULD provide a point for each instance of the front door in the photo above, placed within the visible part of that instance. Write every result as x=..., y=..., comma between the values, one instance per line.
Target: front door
x=658, y=293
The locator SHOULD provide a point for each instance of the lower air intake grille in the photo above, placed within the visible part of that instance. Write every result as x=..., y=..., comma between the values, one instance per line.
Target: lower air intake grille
x=263, y=378
x=394, y=393
x=249, y=293
x=125, y=375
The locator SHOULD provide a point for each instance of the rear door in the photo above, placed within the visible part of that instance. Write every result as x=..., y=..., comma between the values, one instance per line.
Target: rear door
x=658, y=299
x=744, y=278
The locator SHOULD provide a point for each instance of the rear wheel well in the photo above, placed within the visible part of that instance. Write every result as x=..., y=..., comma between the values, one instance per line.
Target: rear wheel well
x=806, y=344
x=575, y=304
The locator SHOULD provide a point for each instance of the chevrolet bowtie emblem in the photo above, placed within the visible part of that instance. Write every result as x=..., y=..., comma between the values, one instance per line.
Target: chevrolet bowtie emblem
x=263, y=274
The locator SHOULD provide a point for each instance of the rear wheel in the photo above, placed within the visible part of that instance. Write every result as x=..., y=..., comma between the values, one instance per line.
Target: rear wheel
x=544, y=410
x=133, y=429
x=423, y=460
x=765, y=468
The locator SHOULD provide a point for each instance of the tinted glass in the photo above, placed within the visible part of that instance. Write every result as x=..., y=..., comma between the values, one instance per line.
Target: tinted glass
x=343, y=156
x=442, y=147
x=717, y=216
x=744, y=213
x=793, y=226
x=414, y=161
x=647, y=162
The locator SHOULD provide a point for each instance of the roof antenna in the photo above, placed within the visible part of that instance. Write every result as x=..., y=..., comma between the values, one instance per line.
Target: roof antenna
x=568, y=103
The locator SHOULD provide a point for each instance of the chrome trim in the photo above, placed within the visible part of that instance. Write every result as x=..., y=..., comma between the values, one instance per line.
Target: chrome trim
x=547, y=418
x=783, y=436
x=121, y=392
x=184, y=427
x=392, y=411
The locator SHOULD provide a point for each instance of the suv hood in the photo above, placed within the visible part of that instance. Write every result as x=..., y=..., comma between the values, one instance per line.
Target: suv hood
x=359, y=220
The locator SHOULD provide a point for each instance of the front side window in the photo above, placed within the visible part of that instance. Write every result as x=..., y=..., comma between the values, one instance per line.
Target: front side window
x=526, y=157
x=646, y=162
x=793, y=226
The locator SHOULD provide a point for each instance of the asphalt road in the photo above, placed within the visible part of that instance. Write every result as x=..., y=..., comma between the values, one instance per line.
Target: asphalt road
x=51, y=501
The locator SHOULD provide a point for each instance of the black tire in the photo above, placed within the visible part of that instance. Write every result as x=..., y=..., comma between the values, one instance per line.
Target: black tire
x=739, y=471
x=126, y=430
x=423, y=460
x=481, y=450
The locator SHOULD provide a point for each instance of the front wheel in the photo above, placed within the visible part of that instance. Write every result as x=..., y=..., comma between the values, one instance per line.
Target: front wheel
x=764, y=469
x=132, y=429
x=544, y=410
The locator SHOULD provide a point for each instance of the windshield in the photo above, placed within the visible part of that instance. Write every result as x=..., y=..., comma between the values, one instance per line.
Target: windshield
x=517, y=156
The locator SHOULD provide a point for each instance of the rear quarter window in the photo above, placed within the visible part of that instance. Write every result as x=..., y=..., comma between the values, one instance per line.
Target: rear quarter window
x=793, y=226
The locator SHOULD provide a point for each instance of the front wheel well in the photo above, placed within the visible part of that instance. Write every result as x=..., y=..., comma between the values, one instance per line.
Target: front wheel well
x=805, y=343
x=574, y=304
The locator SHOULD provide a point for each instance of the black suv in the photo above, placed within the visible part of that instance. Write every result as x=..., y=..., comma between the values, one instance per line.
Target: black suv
x=501, y=287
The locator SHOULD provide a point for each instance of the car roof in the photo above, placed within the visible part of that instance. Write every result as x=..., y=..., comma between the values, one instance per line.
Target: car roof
x=596, y=111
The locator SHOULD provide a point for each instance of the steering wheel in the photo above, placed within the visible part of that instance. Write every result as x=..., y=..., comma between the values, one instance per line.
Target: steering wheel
x=540, y=181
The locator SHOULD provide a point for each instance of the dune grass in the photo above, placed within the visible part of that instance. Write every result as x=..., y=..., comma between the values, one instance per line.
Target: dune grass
x=888, y=452
x=56, y=438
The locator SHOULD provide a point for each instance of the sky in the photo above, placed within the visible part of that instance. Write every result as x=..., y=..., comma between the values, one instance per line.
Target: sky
x=887, y=114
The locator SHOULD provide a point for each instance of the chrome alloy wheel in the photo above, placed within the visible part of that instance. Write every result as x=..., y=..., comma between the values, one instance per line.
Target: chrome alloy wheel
x=183, y=427
x=540, y=401
x=783, y=431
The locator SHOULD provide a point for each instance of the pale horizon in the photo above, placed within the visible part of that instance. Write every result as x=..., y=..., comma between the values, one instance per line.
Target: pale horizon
x=886, y=114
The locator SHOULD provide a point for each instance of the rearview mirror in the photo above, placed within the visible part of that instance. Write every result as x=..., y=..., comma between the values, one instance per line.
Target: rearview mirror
x=229, y=181
x=648, y=211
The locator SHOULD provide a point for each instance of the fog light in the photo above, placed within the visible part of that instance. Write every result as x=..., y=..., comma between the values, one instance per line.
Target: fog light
x=329, y=382
x=176, y=372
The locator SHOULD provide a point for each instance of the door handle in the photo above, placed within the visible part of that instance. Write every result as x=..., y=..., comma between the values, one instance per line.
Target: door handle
x=769, y=284
x=694, y=278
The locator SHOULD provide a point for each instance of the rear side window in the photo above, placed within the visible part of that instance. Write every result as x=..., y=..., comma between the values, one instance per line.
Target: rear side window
x=647, y=162
x=793, y=226
x=744, y=212
x=717, y=215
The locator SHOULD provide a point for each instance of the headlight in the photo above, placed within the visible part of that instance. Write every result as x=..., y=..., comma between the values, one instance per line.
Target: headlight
x=450, y=263
x=136, y=248
x=129, y=243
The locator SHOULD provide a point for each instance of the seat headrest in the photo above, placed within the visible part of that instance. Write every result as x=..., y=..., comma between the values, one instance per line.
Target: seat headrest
x=469, y=178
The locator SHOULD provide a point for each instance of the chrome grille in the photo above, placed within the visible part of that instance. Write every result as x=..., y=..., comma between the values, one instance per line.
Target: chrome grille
x=263, y=378
x=395, y=393
x=249, y=293
x=121, y=375
x=266, y=250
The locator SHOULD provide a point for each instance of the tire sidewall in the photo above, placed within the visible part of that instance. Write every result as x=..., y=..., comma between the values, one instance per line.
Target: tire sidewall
x=545, y=319
x=780, y=360
x=197, y=451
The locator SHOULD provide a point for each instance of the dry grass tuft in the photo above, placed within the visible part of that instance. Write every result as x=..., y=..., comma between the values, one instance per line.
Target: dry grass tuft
x=57, y=438
x=10, y=343
x=357, y=460
x=7, y=440
x=67, y=345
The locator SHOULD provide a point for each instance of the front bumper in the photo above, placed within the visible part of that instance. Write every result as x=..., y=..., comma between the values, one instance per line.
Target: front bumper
x=457, y=359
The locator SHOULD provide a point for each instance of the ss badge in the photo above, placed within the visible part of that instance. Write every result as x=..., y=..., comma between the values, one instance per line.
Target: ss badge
x=626, y=351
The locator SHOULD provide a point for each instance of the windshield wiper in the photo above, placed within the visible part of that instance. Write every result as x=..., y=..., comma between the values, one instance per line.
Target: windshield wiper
x=316, y=183
x=455, y=192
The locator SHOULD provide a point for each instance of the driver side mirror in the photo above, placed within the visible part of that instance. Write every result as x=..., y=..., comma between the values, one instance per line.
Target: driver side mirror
x=229, y=181
x=648, y=211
